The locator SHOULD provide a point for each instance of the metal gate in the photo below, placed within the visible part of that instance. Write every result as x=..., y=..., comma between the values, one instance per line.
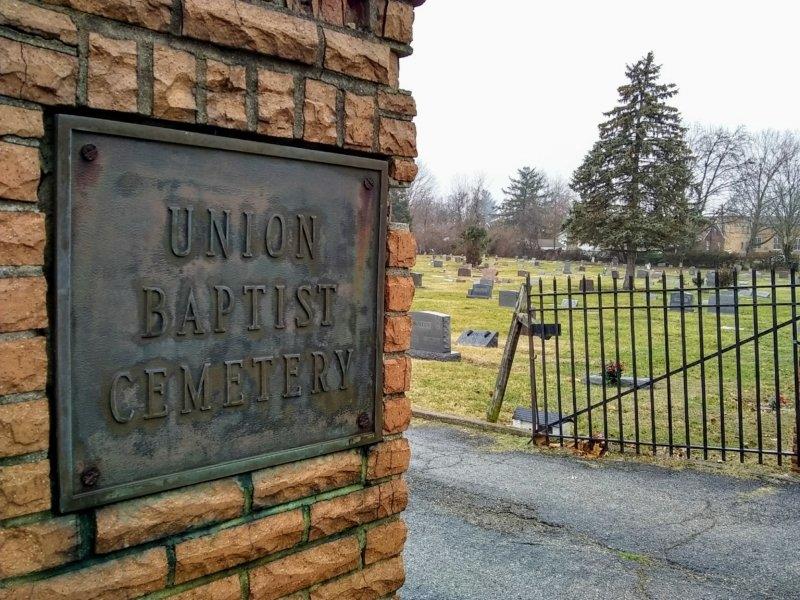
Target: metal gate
x=696, y=367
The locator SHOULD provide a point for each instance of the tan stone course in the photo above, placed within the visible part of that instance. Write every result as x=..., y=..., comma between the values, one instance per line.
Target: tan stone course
x=24, y=427
x=24, y=303
x=303, y=569
x=137, y=521
x=284, y=483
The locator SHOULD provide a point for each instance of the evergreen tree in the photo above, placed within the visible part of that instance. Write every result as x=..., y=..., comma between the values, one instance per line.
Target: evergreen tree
x=633, y=182
x=401, y=205
x=523, y=206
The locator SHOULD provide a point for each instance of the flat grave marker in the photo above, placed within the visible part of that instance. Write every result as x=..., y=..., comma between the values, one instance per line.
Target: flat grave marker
x=480, y=338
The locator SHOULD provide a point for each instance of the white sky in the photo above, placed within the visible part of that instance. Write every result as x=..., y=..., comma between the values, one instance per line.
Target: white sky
x=504, y=83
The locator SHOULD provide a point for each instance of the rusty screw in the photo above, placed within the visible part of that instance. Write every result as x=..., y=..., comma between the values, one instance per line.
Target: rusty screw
x=90, y=476
x=89, y=152
x=368, y=183
x=364, y=421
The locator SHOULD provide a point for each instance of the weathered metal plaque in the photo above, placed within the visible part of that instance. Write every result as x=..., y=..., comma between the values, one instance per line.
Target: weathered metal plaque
x=219, y=306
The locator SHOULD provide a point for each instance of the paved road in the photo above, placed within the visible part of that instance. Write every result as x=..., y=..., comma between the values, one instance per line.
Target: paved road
x=519, y=525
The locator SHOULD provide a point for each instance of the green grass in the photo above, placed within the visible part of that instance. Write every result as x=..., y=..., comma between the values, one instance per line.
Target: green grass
x=465, y=387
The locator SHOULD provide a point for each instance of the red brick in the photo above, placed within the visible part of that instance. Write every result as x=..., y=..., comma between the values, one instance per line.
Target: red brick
x=403, y=169
x=24, y=303
x=152, y=14
x=22, y=122
x=275, y=103
x=357, y=57
x=113, y=83
x=22, y=238
x=359, y=120
x=388, y=458
x=174, y=84
x=38, y=21
x=397, y=102
x=396, y=374
x=385, y=541
x=229, y=588
x=396, y=414
x=319, y=112
x=398, y=137
x=398, y=22
x=225, y=93
x=23, y=365
x=19, y=172
x=396, y=333
x=401, y=248
x=399, y=293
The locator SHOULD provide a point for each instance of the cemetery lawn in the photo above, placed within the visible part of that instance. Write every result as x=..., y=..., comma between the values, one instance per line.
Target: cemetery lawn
x=465, y=387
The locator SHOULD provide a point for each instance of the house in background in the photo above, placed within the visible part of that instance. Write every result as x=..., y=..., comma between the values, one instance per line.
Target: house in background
x=731, y=233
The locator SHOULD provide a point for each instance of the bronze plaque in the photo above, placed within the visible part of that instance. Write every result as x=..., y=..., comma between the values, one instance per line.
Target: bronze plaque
x=219, y=306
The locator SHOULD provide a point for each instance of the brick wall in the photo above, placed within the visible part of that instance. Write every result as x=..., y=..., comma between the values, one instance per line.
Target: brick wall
x=318, y=73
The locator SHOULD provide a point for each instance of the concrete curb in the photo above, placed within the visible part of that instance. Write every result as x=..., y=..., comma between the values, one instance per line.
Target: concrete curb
x=430, y=415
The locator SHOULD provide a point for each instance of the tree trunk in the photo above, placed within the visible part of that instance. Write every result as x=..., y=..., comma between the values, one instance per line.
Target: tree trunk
x=630, y=269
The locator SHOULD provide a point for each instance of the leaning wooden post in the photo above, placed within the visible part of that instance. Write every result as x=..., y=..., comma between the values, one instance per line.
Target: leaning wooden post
x=493, y=411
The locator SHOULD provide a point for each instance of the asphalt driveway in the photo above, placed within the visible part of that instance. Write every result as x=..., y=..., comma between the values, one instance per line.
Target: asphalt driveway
x=522, y=525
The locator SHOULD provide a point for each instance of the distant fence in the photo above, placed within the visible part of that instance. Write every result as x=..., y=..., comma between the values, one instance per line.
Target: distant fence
x=677, y=365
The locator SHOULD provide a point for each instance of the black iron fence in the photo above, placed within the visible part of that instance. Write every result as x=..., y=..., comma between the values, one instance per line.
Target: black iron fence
x=687, y=364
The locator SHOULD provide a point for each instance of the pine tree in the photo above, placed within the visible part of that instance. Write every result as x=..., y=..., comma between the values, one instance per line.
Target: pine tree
x=523, y=206
x=633, y=182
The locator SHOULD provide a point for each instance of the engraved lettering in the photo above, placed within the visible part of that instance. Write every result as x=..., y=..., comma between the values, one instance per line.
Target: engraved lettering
x=280, y=307
x=232, y=378
x=190, y=316
x=222, y=232
x=326, y=289
x=255, y=321
x=154, y=307
x=320, y=373
x=156, y=408
x=175, y=230
x=112, y=400
x=224, y=307
x=275, y=224
x=344, y=359
x=247, y=252
x=192, y=393
x=291, y=364
x=303, y=298
x=306, y=236
x=263, y=363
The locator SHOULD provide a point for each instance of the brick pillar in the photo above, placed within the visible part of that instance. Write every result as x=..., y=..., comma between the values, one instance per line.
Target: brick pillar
x=322, y=74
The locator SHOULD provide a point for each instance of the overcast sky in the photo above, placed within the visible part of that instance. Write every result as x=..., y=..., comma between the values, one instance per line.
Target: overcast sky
x=504, y=83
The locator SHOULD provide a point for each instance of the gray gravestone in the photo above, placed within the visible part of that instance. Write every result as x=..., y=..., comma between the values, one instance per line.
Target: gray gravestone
x=508, y=298
x=430, y=336
x=641, y=274
x=478, y=337
x=675, y=301
x=567, y=303
x=586, y=285
x=614, y=274
x=711, y=279
x=480, y=290
x=581, y=269
x=464, y=272
x=487, y=281
x=417, y=277
x=726, y=303
x=522, y=273
x=567, y=268
x=437, y=264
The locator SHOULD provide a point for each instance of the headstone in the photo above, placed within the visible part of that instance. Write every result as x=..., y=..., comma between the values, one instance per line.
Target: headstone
x=430, y=336
x=535, y=262
x=489, y=273
x=567, y=268
x=522, y=273
x=586, y=285
x=661, y=264
x=417, y=277
x=641, y=273
x=459, y=260
x=448, y=258
x=567, y=303
x=464, y=272
x=479, y=337
x=614, y=274
x=759, y=293
x=508, y=298
x=726, y=303
x=675, y=301
x=581, y=269
x=480, y=290
x=487, y=281
x=782, y=273
x=437, y=264
x=555, y=425
x=656, y=274
x=711, y=278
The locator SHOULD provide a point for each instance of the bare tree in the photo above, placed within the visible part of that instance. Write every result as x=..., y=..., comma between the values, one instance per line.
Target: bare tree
x=764, y=154
x=785, y=199
x=716, y=157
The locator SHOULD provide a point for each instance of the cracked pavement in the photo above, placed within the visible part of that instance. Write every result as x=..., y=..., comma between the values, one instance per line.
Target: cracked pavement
x=486, y=525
